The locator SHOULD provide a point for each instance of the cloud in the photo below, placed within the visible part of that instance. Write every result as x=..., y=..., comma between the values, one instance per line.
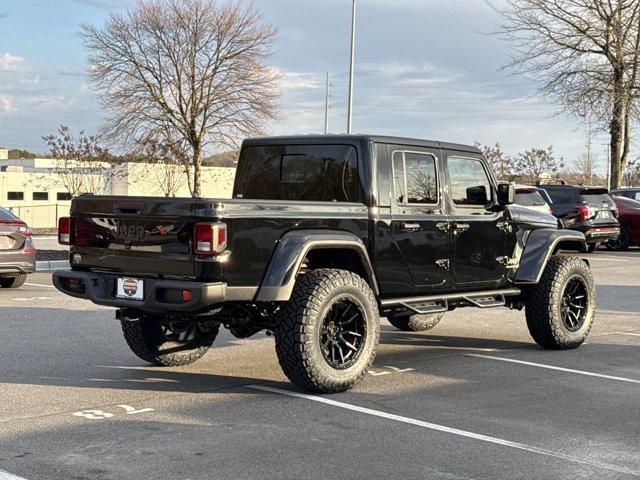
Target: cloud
x=11, y=63
x=6, y=102
x=104, y=4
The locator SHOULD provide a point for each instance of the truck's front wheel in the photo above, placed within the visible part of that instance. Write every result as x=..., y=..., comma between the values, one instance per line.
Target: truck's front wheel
x=165, y=343
x=560, y=309
x=328, y=332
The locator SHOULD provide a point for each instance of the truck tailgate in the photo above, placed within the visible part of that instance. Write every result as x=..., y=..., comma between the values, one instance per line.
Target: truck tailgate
x=135, y=235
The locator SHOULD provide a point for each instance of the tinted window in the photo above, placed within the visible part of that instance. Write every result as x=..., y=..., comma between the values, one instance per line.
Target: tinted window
x=597, y=200
x=561, y=195
x=7, y=215
x=15, y=195
x=325, y=173
x=470, y=184
x=40, y=196
x=414, y=176
x=530, y=198
x=63, y=196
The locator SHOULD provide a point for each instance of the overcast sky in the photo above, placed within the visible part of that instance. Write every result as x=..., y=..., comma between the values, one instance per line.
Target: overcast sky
x=425, y=68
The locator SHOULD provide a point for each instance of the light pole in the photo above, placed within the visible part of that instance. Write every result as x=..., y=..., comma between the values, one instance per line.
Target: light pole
x=352, y=64
x=326, y=107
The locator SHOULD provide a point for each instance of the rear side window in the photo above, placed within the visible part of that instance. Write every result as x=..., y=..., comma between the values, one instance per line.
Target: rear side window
x=6, y=215
x=530, y=198
x=321, y=173
x=414, y=177
x=597, y=200
x=562, y=195
x=470, y=184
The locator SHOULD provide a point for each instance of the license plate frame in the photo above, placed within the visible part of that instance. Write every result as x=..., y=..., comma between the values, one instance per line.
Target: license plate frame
x=130, y=288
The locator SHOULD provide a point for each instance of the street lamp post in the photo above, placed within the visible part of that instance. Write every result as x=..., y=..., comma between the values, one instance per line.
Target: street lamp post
x=352, y=64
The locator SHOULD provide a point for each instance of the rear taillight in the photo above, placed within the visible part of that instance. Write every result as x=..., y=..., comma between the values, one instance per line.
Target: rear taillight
x=209, y=238
x=26, y=231
x=584, y=213
x=65, y=231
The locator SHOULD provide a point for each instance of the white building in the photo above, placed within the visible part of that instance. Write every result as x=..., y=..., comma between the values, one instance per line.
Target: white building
x=37, y=190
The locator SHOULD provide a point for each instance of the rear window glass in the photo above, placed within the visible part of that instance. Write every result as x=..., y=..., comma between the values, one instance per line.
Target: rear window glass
x=597, y=200
x=7, y=215
x=531, y=198
x=561, y=195
x=321, y=173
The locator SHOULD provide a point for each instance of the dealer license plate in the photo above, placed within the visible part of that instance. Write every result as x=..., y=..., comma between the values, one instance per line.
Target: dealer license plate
x=130, y=288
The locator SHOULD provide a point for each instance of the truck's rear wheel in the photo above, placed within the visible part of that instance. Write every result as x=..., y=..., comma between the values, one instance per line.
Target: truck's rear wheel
x=13, y=282
x=560, y=309
x=415, y=323
x=328, y=333
x=168, y=344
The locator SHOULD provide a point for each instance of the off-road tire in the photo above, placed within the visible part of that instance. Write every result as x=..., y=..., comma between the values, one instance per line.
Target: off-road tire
x=592, y=247
x=543, y=303
x=622, y=243
x=146, y=339
x=299, y=330
x=13, y=282
x=415, y=323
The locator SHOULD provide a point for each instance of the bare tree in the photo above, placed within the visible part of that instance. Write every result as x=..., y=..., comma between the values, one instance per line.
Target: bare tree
x=585, y=164
x=632, y=174
x=190, y=74
x=532, y=164
x=82, y=166
x=584, y=53
x=155, y=165
x=501, y=163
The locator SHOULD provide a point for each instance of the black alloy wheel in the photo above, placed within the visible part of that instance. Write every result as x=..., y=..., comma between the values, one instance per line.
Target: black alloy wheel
x=343, y=333
x=575, y=301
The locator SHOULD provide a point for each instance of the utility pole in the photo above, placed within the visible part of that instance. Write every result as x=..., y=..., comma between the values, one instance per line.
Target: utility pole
x=326, y=107
x=352, y=65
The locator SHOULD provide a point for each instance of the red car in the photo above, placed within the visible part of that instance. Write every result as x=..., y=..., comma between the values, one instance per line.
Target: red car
x=629, y=217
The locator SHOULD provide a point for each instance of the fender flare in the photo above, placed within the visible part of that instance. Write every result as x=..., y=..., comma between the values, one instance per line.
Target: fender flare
x=540, y=245
x=291, y=250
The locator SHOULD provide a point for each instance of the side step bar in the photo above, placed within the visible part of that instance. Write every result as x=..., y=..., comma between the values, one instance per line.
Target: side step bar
x=440, y=303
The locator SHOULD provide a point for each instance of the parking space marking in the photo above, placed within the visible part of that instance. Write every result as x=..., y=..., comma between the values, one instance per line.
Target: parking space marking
x=445, y=429
x=39, y=285
x=607, y=259
x=552, y=367
x=9, y=476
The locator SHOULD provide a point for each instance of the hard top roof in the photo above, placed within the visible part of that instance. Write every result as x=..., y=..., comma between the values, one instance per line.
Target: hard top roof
x=334, y=138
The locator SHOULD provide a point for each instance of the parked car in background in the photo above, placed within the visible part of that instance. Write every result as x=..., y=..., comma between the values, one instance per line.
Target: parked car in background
x=632, y=193
x=589, y=210
x=17, y=253
x=532, y=197
x=629, y=218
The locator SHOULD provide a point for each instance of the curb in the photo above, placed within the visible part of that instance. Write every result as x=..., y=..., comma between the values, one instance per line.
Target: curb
x=44, y=266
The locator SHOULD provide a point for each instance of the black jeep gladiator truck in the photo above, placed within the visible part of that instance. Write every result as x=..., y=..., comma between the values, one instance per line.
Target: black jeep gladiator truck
x=323, y=236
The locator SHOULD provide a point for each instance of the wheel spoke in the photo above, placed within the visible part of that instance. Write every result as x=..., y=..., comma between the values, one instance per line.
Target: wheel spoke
x=355, y=334
x=352, y=347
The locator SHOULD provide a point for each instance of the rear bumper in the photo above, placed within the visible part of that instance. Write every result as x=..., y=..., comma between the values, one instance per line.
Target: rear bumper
x=17, y=268
x=601, y=234
x=159, y=295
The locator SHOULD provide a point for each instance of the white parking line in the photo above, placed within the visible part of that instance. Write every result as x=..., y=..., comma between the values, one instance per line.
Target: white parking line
x=551, y=367
x=445, y=429
x=607, y=259
x=39, y=285
x=9, y=476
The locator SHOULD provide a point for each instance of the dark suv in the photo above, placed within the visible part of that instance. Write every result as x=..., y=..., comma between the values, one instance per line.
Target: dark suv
x=589, y=210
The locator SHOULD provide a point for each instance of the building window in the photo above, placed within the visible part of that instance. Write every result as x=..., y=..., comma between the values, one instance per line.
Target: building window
x=15, y=195
x=63, y=196
x=41, y=195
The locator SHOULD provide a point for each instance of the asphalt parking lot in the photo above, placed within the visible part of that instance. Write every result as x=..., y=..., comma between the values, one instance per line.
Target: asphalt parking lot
x=474, y=398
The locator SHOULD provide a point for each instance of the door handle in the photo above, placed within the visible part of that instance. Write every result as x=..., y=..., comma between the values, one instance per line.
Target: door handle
x=461, y=227
x=410, y=227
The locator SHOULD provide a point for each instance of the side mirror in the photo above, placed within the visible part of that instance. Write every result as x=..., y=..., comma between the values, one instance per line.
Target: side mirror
x=477, y=195
x=506, y=194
